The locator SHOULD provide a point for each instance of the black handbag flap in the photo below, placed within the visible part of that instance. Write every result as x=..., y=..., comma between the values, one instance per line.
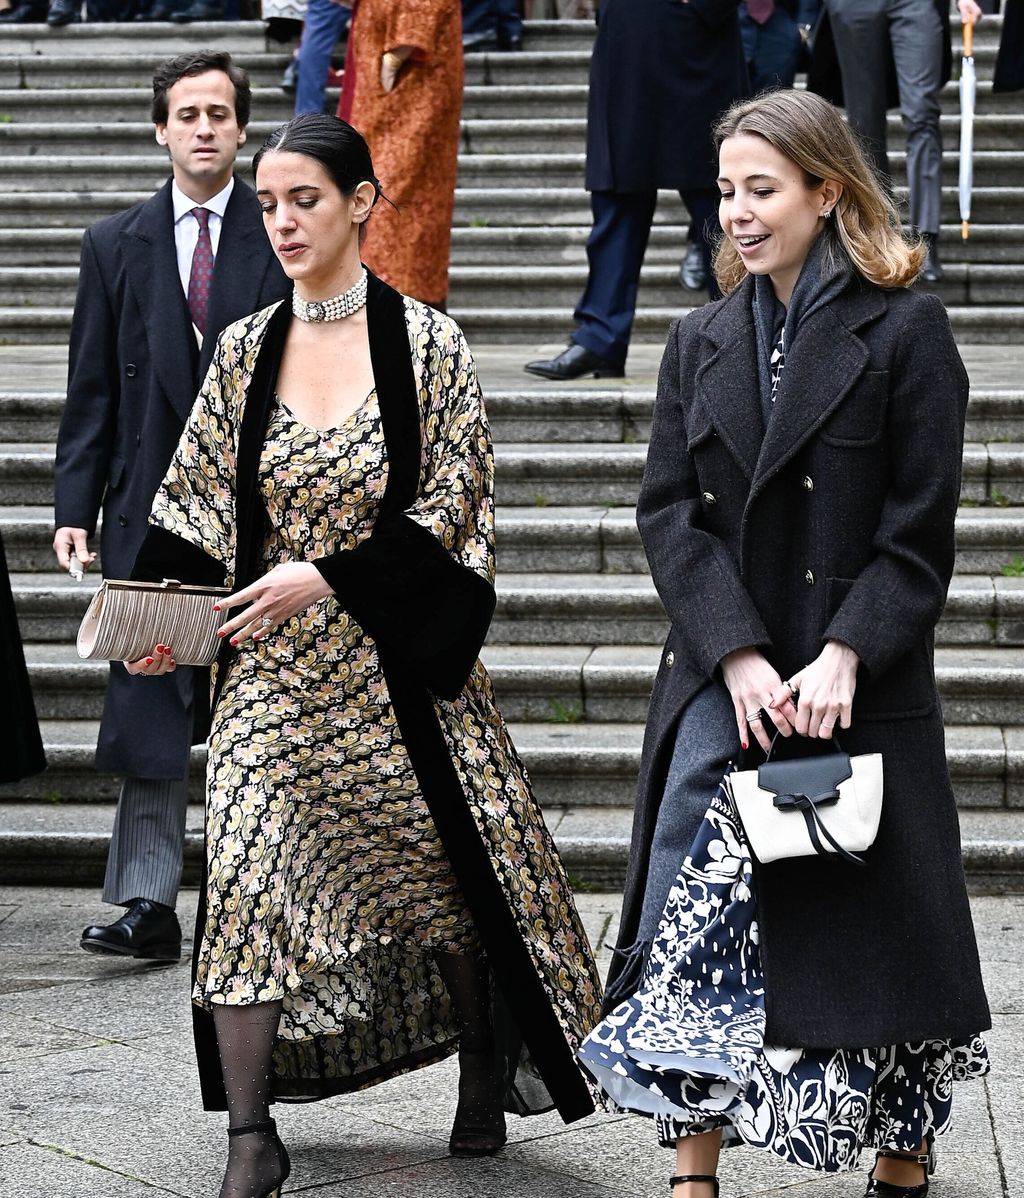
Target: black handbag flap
x=811, y=777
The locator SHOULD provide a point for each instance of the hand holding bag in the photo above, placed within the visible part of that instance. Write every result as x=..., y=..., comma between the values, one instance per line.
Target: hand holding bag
x=126, y=620
x=826, y=804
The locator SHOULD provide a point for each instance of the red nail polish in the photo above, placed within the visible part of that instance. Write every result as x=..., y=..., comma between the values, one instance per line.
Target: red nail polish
x=216, y=607
x=743, y=744
x=159, y=648
x=149, y=661
x=233, y=641
x=173, y=662
x=222, y=633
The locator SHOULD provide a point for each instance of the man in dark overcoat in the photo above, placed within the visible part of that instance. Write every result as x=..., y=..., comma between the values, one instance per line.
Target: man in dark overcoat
x=662, y=72
x=834, y=524
x=1009, y=72
x=157, y=285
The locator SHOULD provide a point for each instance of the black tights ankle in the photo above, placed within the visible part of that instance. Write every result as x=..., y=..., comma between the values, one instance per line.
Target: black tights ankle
x=245, y=1040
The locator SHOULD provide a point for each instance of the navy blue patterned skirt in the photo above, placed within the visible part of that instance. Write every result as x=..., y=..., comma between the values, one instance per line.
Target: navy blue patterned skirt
x=688, y=1050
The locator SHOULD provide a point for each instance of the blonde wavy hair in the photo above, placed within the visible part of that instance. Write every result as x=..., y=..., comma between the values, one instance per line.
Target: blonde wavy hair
x=810, y=132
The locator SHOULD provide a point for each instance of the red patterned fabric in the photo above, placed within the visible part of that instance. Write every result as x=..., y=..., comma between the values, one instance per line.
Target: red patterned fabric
x=202, y=272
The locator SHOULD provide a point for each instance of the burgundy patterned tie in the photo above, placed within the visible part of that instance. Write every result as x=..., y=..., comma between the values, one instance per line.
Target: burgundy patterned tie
x=202, y=271
x=760, y=10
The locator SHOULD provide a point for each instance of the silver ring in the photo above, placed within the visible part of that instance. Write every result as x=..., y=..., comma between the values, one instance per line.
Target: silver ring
x=266, y=621
x=753, y=716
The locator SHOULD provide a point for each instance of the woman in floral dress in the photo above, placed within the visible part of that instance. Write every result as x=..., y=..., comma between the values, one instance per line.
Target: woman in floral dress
x=381, y=888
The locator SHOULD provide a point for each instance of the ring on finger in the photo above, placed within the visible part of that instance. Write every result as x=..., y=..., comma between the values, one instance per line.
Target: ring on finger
x=753, y=716
x=829, y=726
x=266, y=621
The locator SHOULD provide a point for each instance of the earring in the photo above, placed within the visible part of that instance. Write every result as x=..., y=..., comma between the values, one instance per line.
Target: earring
x=827, y=214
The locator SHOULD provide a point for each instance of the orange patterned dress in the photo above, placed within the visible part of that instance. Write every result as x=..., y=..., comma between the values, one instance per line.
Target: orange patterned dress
x=413, y=135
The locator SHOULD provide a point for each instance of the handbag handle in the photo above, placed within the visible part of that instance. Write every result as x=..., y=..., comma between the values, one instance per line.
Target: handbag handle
x=836, y=746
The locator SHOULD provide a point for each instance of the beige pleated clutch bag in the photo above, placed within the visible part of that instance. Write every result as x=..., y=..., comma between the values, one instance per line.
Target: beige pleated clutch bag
x=126, y=620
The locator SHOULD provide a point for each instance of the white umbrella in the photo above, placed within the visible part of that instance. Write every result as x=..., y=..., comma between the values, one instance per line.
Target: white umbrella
x=968, y=91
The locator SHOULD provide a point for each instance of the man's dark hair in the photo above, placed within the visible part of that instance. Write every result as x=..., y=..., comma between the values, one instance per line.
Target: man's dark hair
x=198, y=62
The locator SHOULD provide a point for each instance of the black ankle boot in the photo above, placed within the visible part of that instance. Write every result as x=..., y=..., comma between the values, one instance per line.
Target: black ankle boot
x=931, y=272
x=479, y=1127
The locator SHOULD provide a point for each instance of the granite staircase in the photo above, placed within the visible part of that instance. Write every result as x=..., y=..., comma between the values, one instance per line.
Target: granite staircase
x=576, y=638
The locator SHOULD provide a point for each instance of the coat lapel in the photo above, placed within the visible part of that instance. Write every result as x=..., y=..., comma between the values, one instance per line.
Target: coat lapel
x=813, y=383
x=152, y=268
x=243, y=258
x=727, y=381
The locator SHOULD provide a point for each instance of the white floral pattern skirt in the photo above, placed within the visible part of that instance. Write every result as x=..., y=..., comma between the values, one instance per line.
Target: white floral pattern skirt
x=688, y=1050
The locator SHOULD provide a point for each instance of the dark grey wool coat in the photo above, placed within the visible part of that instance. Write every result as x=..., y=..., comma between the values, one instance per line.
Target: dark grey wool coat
x=835, y=524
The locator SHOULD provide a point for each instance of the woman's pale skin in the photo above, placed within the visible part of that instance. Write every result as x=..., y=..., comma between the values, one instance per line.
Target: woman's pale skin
x=314, y=230
x=772, y=217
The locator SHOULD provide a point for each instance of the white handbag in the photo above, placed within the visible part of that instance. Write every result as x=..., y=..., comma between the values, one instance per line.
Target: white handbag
x=826, y=804
x=126, y=620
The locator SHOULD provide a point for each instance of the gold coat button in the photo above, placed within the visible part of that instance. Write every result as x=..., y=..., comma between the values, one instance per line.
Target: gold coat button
x=809, y=578
x=807, y=483
x=670, y=659
x=709, y=499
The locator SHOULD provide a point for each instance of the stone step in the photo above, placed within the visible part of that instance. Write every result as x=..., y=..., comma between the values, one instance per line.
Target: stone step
x=476, y=208
x=980, y=324
x=569, y=101
x=46, y=69
x=581, y=540
x=478, y=286
x=67, y=846
x=154, y=39
x=535, y=608
x=28, y=131
x=559, y=474
x=509, y=245
x=540, y=416
x=569, y=683
x=571, y=765
x=137, y=164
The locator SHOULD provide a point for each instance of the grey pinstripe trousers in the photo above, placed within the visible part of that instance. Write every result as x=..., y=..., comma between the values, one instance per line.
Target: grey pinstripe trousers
x=147, y=843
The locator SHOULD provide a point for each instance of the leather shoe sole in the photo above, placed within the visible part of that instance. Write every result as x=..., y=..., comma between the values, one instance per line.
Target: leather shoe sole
x=153, y=952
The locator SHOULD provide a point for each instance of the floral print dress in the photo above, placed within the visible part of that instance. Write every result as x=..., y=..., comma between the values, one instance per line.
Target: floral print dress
x=688, y=1048
x=328, y=887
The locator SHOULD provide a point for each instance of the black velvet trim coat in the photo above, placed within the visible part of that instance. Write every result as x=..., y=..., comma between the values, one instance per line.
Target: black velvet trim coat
x=428, y=614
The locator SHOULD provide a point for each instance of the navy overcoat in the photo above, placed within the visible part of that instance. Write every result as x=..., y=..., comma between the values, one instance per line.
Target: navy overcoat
x=662, y=72
x=837, y=523
x=134, y=371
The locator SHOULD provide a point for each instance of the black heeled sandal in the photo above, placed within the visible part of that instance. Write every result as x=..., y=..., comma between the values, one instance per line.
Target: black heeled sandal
x=886, y=1189
x=479, y=1127
x=678, y=1181
x=268, y=1127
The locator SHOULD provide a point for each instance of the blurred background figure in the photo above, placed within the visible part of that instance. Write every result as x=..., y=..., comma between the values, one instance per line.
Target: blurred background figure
x=889, y=53
x=774, y=33
x=1009, y=75
x=490, y=24
x=662, y=72
x=23, y=746
x=564, y=10
x=403, y=91
x=326, y=24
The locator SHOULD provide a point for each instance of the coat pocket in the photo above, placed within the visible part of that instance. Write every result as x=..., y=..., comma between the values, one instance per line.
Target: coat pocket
x=860, y=417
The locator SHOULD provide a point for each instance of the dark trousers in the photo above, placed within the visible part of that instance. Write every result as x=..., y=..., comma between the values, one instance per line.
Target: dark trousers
x=615, y=252
x=486, y=20
x=772, y=50
x=864, y=31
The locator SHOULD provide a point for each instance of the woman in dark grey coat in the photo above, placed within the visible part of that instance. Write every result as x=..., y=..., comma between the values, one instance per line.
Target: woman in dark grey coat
x=798, y=515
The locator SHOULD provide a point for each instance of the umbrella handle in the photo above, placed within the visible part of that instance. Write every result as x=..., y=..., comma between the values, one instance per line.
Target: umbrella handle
x=968, y=39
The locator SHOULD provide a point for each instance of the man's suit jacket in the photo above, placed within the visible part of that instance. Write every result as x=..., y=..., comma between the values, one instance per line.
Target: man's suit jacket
x=134, y=371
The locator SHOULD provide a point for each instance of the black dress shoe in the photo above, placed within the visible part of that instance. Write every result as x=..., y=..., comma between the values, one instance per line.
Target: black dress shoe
x=572, y=363
x=63, y=12
x=147, y=930
x=692, y=274
x=199, y=11
x=24, y=14
x=931, y=272
x=510, y=43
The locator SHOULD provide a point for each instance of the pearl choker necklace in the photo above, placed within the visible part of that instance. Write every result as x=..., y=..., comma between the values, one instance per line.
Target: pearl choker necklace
x=335, y=308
